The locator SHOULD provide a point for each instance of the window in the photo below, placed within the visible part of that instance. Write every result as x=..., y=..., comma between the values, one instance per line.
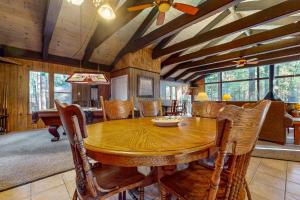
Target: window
x=179, y=93
x=212, y=91
x=263, y=88
x=264, y=71
x=287, y=81
x=212, y=78
x=168, y=93
x=240, y=91
x=62, y=89
x=245, y=84
x=38, y=91
x=286, y=69
x=239, y=74
x=174, y=93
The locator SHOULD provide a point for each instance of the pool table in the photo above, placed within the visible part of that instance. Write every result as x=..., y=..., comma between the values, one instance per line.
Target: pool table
x=50, y=117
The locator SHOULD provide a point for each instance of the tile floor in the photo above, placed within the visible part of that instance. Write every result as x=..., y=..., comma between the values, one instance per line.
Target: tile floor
x=269, y=180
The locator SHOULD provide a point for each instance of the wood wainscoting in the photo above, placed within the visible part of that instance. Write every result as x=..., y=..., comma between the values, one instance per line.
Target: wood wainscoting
x=17, y=78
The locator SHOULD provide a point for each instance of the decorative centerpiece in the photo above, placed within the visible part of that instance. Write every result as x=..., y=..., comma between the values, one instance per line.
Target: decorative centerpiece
x=170, y=121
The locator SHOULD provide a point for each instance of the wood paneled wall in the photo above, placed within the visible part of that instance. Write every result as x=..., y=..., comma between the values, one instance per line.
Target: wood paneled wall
x=17, y=78
x=136, y=64
x=141, y=59
x=133, y=81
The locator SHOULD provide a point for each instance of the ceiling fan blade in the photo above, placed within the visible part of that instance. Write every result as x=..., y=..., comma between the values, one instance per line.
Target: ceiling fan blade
x=252, y=59
x=253, y=62
x=240, y=65
x=191, y=10
x=140, y=7
x=160, y=18
x=236, y=61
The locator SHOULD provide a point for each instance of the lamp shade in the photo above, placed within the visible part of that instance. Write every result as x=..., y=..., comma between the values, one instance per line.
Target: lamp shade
x=226, y=97
x=202, y=96
x=297, y=106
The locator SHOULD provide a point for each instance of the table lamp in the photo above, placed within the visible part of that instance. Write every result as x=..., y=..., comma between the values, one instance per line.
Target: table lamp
x=297, y=106
x=226, y=97
x=202, y=96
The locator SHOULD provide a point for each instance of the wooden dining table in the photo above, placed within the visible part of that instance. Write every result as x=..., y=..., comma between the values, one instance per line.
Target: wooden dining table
x=138, y=142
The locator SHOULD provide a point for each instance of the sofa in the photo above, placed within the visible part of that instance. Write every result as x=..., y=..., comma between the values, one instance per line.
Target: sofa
x=276, y=122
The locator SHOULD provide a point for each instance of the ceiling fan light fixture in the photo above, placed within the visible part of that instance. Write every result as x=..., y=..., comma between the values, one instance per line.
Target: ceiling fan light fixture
x=164, y=7
x=97, y=3
x=76, y=2
x=106, y=12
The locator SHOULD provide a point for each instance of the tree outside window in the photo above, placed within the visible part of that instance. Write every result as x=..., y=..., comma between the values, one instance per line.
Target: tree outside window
x=62, y=89
x=38, y=91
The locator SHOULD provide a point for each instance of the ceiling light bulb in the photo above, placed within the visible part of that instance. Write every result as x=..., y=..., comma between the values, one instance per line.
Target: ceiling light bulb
x=76, y=2
x=106, y=12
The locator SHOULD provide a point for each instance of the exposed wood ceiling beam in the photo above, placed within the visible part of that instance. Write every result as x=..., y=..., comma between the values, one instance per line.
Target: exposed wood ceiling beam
x=222, y=16
x=256, y=5
x=8, y=51
x=261, y=49
x=238, y=43
x=270, y=14
x=178, y=67
x=140, y=31
x=52, y=11
x=207, y=9
x=106, y=28
x=263, y=57
x=268, y=62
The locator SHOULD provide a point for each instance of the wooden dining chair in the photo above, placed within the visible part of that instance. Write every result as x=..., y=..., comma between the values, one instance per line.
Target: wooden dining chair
x=173, y=111
x=150, y=108
x=96, y=182
x=117, y=109
x=3, y=109
x=206, y=109
x=238, y=131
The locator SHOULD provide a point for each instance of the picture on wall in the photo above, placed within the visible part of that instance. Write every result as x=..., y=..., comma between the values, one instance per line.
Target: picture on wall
x=145, y=87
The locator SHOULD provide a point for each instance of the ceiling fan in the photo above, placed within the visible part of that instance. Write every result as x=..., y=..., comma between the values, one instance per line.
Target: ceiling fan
x=163, y=7
x=242, y=62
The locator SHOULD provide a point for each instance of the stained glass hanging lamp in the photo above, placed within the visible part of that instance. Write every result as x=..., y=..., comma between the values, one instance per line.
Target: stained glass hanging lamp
x=87, y=78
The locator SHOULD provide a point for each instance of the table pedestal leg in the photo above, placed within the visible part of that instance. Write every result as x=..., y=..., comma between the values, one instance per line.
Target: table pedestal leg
x=296, y=134
x=53, y=131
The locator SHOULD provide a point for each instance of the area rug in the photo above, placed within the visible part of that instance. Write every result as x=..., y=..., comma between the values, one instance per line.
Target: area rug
x=28, y=156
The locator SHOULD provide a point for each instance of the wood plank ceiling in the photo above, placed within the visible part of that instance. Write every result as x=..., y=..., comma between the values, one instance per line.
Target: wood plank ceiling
x=189, y=46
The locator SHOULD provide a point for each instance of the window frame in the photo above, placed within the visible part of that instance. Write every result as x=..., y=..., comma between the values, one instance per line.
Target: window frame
x=30, y=111
x=54, y=92
x=220, y=83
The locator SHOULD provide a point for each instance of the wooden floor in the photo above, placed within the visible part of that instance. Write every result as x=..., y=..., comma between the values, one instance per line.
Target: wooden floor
x=269, y=180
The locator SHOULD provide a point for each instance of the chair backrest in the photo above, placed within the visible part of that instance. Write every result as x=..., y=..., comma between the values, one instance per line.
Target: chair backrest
x=117, y=109
x=239, y=135
x=74, y=123
x=173, y=105
x=207, y=109
x=150, y=108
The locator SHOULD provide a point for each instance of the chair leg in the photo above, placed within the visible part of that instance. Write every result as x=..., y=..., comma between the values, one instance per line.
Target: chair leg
x=120, y=196
x=142, y=193
x=124, y=195
x=248, y=191
x=163, y=194
x=75, y=195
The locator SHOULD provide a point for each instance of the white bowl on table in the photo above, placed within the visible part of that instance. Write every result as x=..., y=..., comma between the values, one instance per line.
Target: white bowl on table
x=167, y=121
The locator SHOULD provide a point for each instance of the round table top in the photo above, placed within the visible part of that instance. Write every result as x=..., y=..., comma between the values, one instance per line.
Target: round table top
x=135, y=142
